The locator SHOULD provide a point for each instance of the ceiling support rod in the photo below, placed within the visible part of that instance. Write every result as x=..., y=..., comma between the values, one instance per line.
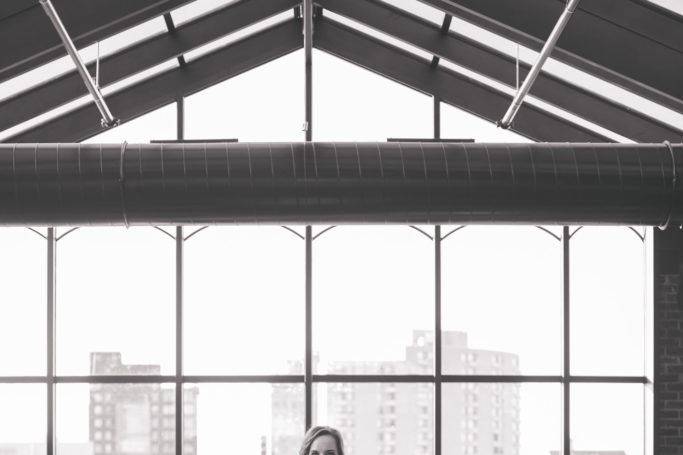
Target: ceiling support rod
x=108, y=119
x=307, y=12
x=548, y=47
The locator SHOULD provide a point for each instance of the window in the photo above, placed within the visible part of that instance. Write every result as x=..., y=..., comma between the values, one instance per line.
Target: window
x=113, y=282
x=389, y=283
x=237, y=324
x=603, y=286
x=22, y=295
x=488, y=298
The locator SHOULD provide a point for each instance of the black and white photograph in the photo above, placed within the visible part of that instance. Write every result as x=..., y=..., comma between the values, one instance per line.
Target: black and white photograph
x=341, y=227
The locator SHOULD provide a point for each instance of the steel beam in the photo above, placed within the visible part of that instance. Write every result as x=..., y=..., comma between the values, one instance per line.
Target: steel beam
x=543, y=56
x=338, y=183
x=307, y=12
x=500, y=67
x=139, y=57
x=27, y=41
x=622, y=54
x=452, y=88
x=164, y=88
x=108, y=120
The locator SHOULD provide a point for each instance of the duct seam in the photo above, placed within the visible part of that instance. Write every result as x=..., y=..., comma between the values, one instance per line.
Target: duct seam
x=122, y=183
x=674, y=182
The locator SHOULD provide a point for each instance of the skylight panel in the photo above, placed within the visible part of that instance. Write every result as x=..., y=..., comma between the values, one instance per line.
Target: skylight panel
x=45, y=117
x=232, y=37
x=570, y=74
x=379, y=35
x=196, y=9
x=419, y=9
x=674, y=5
x=60, y=66
x=547, y=107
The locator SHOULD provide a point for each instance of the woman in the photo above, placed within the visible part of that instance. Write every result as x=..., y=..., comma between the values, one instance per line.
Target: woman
x=322, y=441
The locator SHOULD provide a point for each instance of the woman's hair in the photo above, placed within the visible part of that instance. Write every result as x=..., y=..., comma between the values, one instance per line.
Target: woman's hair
x=314, y=432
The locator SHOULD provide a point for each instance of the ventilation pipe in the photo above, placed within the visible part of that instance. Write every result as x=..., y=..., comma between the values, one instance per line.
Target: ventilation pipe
x=336, y=183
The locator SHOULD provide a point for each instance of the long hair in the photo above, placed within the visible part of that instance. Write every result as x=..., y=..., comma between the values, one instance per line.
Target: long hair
x=314, y=432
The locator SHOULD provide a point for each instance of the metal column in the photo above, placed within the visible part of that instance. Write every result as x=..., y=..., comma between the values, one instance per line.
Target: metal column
x=308, y=375
x=51, y=263
x=179, y=240
x=566, y=370
x=308, y=51
x=437, y=340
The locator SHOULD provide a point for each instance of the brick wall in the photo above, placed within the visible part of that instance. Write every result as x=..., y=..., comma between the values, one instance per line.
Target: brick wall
x=668, y=340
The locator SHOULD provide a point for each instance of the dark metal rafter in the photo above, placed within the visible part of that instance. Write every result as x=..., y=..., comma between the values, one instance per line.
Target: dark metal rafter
x=27, y=39
x=139, y=57
x=452, y=88
x=500, y=67
x=635, y=45
x=164, y=88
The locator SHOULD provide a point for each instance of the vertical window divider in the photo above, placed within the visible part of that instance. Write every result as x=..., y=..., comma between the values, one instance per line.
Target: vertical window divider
x=566, y=371
x=437, y=338
x=50, y=445
x=179, y=243
x=179, y=258
x=308, y=361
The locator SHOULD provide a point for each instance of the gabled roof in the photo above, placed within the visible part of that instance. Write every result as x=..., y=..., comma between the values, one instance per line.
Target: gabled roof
x=632, y=44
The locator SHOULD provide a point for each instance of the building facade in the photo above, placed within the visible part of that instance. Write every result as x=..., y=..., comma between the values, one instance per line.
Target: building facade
x=398, y=418
x=136, y=419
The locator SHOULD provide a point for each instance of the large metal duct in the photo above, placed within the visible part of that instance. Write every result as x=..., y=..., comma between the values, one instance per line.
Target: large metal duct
x=334, y=183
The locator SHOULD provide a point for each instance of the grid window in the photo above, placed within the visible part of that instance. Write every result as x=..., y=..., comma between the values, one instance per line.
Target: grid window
x=608, y=301
x=23, y=267
x=502, y=295
x=244, y=294
x=374, y=281
x=115, y=302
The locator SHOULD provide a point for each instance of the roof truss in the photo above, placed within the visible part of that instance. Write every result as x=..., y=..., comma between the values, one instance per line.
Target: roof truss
x=347, y=43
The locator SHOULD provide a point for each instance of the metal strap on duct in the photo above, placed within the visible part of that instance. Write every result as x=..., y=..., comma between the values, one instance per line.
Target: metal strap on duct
x=334, y=183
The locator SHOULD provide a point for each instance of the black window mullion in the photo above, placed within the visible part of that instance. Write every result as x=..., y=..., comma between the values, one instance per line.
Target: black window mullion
x=50, y=446
x=308, y=375
x=566, y=372
x=179, y=241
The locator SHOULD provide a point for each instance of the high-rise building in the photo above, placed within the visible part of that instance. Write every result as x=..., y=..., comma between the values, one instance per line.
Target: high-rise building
x=127, y=419
x=398, y=418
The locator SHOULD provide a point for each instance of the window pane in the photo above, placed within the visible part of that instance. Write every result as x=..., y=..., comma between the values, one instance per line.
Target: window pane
x=607, y=417
x=607, y=285
x=363, y=106
x=373, y=299
x=494, y=418
x=23, y=418
x=23, y=294
x=246, y=418
x=244, y=301
x=502, y=301
x=377, y=418
x=115, y=419
x=264, y=104
x=115, y=302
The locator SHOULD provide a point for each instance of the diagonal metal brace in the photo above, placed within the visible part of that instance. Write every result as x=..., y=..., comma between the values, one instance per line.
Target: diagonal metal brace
x=108, y=120
x=548, y=47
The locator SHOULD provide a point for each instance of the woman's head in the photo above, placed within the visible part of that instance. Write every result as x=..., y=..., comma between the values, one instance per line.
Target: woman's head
x=322, y=441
